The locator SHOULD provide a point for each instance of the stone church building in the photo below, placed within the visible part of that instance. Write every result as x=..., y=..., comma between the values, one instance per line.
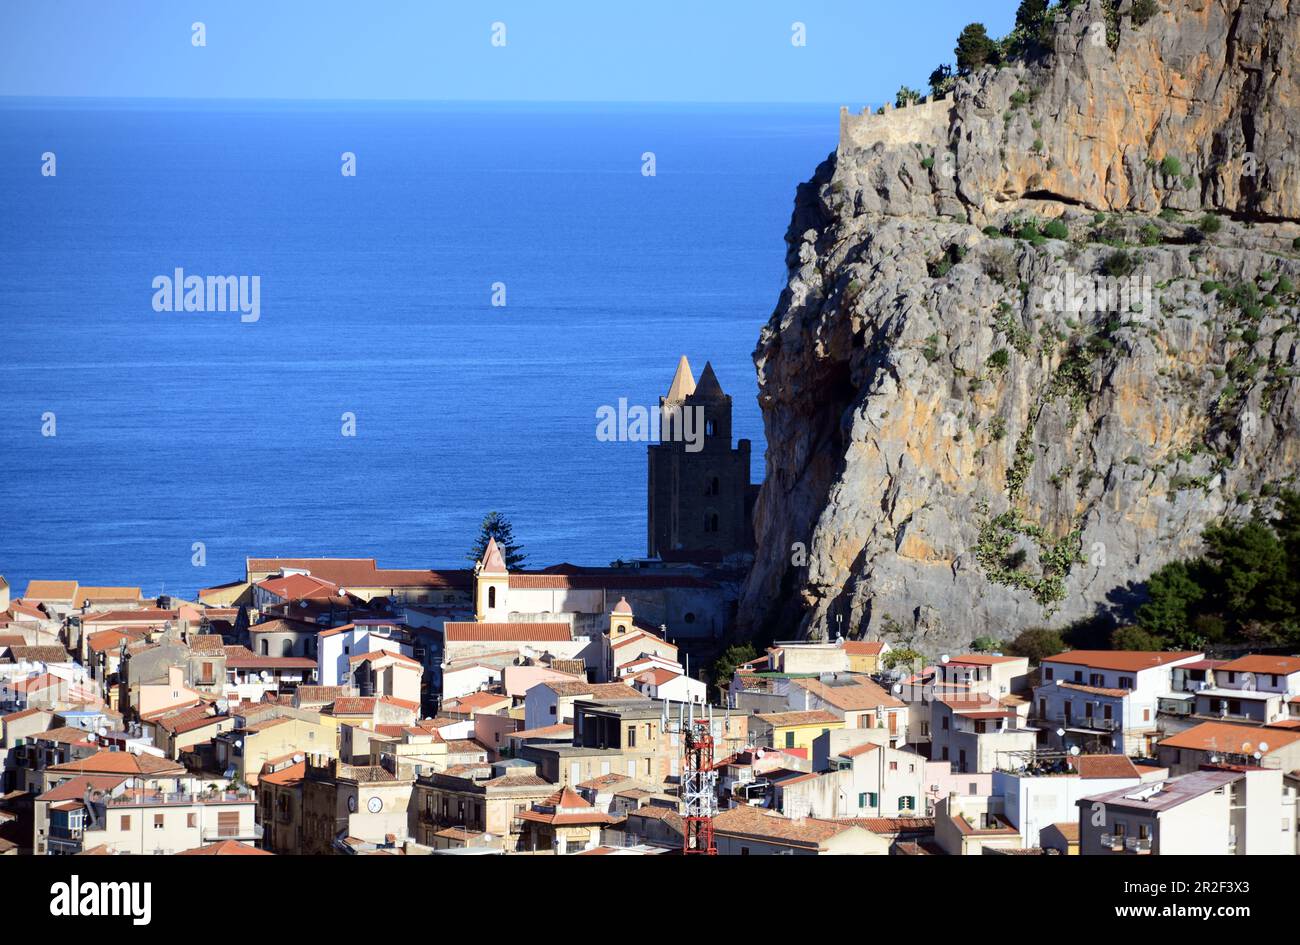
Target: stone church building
x=699, y=501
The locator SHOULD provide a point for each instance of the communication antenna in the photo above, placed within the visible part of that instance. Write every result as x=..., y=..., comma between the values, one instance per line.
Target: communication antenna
x=699, y=783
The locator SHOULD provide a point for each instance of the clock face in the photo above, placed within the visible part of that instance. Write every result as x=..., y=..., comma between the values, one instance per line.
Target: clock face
x=375, y=805
x=352, y=804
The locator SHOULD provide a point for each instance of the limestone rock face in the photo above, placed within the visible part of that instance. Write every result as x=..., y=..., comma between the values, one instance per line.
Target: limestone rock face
x=970, y=433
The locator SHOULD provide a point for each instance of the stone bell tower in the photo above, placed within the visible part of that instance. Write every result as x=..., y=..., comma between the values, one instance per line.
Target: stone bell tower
x=698, y=498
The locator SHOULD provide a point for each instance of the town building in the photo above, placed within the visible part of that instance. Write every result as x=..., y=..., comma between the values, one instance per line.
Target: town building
x=1219, y=812
x=1105, y=700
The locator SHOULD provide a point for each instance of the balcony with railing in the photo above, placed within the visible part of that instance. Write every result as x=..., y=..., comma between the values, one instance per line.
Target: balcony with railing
x=215, y=832
x=1118, y=843
x=1085, y=724
x=179, y=798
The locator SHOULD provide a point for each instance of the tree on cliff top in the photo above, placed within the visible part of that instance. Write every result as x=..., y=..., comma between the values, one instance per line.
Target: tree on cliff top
x=495, y=525
x=974, y=49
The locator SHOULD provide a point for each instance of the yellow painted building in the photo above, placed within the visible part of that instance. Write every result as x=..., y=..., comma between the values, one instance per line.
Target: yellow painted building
x=794, y=730
x=865, y=655
x=272, y=739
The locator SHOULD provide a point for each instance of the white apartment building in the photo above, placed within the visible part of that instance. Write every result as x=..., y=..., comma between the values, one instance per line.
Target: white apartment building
x=1105, y=700
x=1259, y=689
x=977, y=734
x=1045, y=794
x=1211, y=812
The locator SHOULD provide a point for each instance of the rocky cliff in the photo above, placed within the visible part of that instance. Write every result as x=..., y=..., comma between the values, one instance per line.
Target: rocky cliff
x=1036, y=336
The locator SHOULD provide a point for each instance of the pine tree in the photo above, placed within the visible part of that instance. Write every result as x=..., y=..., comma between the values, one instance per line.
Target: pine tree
x=495, y=525
x=974, y=49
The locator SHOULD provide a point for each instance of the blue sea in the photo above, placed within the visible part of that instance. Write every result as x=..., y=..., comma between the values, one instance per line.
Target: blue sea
x=376, y=291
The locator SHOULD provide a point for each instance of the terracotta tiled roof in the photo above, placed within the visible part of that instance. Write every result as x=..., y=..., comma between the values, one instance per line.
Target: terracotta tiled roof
x=42, y=654
x=142, y=615
x=657, y=676
x=1129, y=661
x=858, y=695
x=476, y=702
x=1229, y=738
x=643, y=637
x=602, y=581
x=745, y=821
x=321, y=694
x=362, y=572
x=112, y=639
x=284, y=625
x=466, y=632
x=863, y=647
x=1266, y=665
x=226, y=848
x=75, y=788
x=354, y=705
x=299, y=587
x=51, y=590
x=285, y=776
x=1104, y=766
x=374, y=655
x=87, y=595
x=1094, y=690
x=787, y=719
x=120, y=762
x=241, y=657
x=890, y=825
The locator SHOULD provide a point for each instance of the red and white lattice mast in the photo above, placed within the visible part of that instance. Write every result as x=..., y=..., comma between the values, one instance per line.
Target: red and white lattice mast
x=699, y=782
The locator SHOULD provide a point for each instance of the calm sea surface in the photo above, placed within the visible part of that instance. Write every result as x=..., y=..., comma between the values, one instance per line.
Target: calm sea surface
x=375, y=293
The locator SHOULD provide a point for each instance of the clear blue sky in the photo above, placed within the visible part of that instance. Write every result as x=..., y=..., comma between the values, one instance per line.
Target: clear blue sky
x=857, y=52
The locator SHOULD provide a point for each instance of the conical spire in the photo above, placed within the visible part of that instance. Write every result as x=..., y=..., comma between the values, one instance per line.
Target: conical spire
x=709, y=388
x=683, y=382
x=493, y=562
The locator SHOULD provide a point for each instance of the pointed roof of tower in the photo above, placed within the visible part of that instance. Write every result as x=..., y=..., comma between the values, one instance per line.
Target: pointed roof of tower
x=623, y=607
x=493, y=562
x=709, y=388
x=683, y=384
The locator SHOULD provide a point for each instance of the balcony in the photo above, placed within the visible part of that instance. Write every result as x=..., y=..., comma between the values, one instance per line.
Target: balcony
x=164, y=799
x=212, y=834
x=1118, y=843
x=62, y=845
x=1075, y=725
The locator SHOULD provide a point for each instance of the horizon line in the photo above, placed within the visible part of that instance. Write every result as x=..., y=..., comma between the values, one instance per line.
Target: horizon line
x=6, y=97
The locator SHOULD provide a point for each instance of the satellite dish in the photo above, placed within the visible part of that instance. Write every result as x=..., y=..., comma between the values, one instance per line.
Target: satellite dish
x=1074, y=749
x=92, y=738
x=102, y=730
x=1263, y=747
x=297, y=758
x=944, y=658
x=898, y=687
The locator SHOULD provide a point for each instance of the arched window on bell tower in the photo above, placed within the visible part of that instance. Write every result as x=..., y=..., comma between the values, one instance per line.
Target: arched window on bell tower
x=492, y=597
